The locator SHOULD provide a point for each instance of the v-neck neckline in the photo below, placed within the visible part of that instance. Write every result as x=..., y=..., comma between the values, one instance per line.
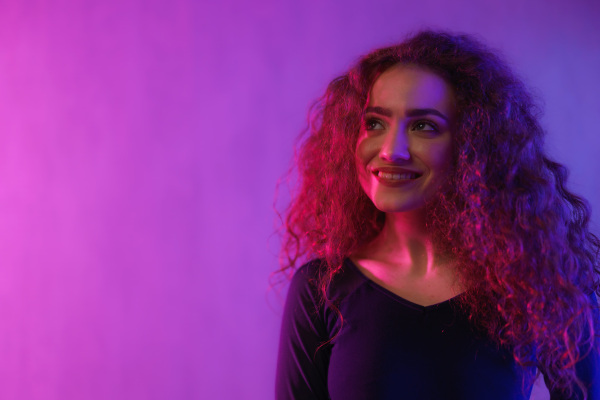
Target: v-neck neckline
x=397, y=297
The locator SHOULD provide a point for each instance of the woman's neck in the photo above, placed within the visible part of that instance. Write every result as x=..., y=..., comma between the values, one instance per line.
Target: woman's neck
x=406, y=242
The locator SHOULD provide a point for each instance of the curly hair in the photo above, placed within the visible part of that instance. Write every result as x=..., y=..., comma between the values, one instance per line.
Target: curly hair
x=521, y=239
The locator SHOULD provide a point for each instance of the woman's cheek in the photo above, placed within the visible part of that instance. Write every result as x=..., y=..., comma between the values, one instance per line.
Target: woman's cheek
x=366, y=149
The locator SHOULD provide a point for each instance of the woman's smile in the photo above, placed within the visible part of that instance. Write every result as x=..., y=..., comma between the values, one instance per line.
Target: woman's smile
x=390, y=176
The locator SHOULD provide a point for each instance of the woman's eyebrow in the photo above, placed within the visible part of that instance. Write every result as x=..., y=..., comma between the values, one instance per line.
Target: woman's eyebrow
x=413, y=112
x=379, y=110
x=420, y=112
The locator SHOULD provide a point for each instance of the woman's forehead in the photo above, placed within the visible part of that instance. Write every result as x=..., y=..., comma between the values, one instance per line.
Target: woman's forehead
x=411, y=86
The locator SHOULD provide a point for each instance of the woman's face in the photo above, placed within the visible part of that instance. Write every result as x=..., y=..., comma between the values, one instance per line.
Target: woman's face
x=404, y=150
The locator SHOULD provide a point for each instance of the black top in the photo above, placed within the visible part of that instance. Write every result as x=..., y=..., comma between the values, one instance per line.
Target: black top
x=390, y=348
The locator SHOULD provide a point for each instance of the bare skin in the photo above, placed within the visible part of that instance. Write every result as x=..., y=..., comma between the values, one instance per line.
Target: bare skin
x=402, y=260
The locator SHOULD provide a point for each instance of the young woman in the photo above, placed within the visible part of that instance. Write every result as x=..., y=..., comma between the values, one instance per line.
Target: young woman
x=449, y=261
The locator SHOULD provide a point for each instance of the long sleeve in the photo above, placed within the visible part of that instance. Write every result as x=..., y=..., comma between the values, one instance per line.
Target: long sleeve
x=302, y=365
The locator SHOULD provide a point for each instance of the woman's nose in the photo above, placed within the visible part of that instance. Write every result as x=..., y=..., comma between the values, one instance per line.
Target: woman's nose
x=395, y=146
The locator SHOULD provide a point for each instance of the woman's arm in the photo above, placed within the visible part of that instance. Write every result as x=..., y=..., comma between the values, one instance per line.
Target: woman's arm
x=302, y=364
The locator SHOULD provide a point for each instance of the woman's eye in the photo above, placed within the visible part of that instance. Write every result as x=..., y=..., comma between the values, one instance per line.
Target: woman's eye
x=373, y=124
x=425, y=126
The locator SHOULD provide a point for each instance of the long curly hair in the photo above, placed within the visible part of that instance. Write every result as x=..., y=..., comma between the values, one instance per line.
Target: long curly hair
x=521, y=239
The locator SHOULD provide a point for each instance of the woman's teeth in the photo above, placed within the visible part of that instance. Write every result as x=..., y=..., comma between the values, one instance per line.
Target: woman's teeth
x=392, y=176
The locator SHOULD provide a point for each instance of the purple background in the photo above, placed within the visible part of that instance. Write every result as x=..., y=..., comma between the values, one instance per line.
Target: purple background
x=140, y=145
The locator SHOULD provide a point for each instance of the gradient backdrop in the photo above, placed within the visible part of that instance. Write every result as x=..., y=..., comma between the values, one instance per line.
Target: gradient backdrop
x=140, y=145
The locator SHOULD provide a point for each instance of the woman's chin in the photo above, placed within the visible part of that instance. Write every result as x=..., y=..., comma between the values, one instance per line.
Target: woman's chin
x=398, y=207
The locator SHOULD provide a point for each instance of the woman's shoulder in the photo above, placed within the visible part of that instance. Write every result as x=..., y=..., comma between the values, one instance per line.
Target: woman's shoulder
x=304, y=283
x=309, y=270
x=308, y=278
